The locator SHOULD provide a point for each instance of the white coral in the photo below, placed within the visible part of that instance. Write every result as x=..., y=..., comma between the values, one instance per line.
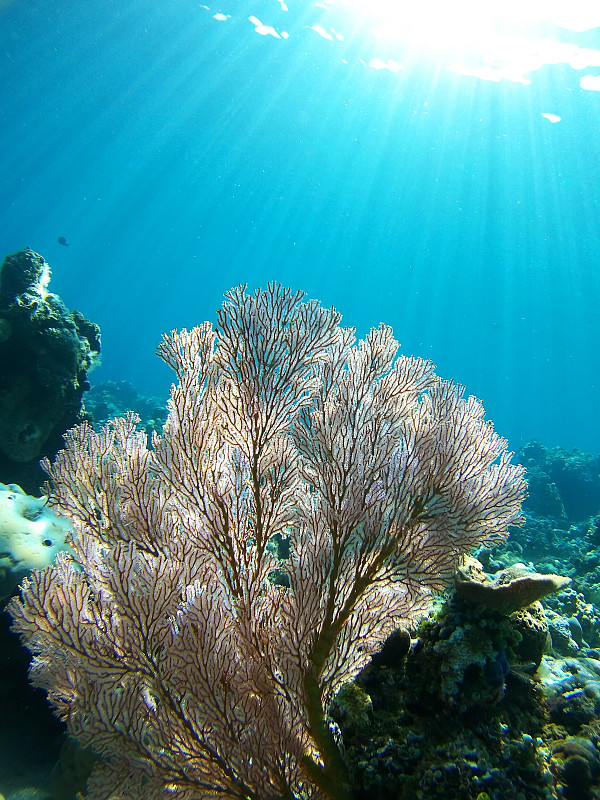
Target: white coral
x=31, y=534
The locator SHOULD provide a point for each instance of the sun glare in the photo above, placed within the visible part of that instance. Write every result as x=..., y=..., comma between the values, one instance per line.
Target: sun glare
x=492, y=39
x=466, y=21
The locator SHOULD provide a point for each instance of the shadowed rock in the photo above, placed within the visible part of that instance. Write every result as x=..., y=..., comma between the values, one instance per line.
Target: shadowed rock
x=46, y=352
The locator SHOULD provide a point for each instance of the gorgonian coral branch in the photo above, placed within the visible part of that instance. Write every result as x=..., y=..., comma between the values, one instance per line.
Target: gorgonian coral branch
x=163, y=640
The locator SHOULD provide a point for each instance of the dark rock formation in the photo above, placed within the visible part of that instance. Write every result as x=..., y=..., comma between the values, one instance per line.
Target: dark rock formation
x=46, y=352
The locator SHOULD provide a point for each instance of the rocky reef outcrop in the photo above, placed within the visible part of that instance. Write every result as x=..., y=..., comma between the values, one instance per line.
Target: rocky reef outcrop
x=46, y=353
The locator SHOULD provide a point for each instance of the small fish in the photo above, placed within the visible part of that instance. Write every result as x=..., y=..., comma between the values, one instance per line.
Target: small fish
x=63, y=241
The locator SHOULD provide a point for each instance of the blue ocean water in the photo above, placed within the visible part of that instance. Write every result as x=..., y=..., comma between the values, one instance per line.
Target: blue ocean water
x=450, y=188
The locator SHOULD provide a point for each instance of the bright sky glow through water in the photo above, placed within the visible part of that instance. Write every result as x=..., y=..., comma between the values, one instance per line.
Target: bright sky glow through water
x=431, y=165
x=471, y=18
x=491, y=41
x=508, y=41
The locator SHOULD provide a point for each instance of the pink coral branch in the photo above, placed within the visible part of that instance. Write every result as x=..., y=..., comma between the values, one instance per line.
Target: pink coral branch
x=163, y=641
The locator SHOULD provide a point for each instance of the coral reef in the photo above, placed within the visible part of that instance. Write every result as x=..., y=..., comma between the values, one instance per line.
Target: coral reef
x=31, y=535
x=493, y=696
x=562, y=485
x=491, y=704
x=114, y=398
x=508, y=590
x=46, y=352
x=163, y=643
x=561, y=535
x=478, y=708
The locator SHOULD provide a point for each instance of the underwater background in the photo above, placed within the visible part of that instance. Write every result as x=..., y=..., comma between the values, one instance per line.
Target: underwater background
x=432, y=166
x=437, y=172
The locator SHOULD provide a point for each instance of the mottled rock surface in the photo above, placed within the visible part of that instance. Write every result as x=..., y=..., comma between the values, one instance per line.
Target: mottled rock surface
x=46, y=352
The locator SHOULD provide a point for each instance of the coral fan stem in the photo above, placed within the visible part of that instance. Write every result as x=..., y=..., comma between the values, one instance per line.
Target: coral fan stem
x=330, y=777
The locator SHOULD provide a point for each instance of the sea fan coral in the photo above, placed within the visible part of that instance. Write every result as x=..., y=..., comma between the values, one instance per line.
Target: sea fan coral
x=163, y=642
